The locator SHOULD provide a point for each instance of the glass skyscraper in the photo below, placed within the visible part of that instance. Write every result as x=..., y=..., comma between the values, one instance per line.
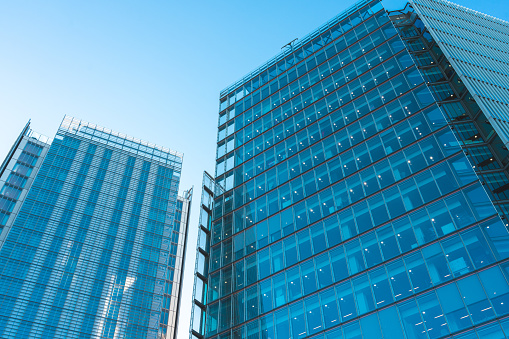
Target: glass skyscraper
x=355, y=184
x=92, y=237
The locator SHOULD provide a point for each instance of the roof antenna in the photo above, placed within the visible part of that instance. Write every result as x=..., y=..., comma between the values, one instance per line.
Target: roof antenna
x=290, y=44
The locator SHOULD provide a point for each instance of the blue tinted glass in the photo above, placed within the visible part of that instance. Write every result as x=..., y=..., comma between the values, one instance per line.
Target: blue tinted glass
x=417, y=272
x=252, y=308
x=440, y=218
x=265, y=296
x=387, y=241
x=352, y=331
x=276, y=255
x=293, y=283
x=457, y=256
x=308, y=276
x=411, y=319
x=282, y=323
x=432, y=314
x=454, y=309
x=338, y=262
x=477, y=247
x=298, y=321
x=313, y=314
x=438, y=267
x=267, y=327
x=323, y=270
x=263, y=263
x=370, y=326
x=496, y=288
x=346, y=301
x=405, y=234
x=460, y=211
x=304, y=241
x=490, y=331
x=423, y=227
x=290, y=248
x=332, y=230
x=363, y=294
x=329, y=308
x=354, y=256
x=381, y=287
x=347, y=224
x=318, y=237
x=476, y=300
x=497, y=237
x=371, y=250
x=391, y=323
x=399, y=280
x=279, y=289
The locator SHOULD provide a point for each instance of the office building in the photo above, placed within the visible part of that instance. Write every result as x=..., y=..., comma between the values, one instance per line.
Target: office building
x=92, y=236
x=462, y=56
x=354, y=189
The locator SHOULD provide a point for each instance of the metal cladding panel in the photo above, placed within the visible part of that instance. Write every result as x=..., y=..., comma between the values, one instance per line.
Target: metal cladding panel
x=477, y=46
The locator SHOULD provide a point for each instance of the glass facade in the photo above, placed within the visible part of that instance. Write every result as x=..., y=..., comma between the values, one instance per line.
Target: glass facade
x=17, y=173
x=343, y=205
x=476, y=46
x=453, y=84
x=95, y=248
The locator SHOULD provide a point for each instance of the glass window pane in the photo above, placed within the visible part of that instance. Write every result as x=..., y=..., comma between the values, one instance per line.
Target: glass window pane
x=323, y=270
x=313, y=315
x=293, y=283
x=432, y=314
x=263, y=263
x=252, y=302
x=438, y=267
x=457, y=256
x=298, y=323
x=381, y=287
x=411, y=318
x=399, y=279
x=329, y=308
x=476, y=300
x=332, y=230
x=391, y=323
x=354, y=256
x=265, y=296
x=455, y=311
x=282, y=323
x=387, y=242
x=279, y=289
x=497, y=289
x=363, y=295
x=405, y=234
x=308, y=276
x=370, y=326
x=339, y=265
x=276, y=255
x=423, y=228
x=477, y=247
x=290, y=248
x=346, y=301
x=304, y=241
x=371, y=250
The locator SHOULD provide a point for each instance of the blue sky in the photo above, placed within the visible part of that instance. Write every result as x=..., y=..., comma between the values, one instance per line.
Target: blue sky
x=150, y=69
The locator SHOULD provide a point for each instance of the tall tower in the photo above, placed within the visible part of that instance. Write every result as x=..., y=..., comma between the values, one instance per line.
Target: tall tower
x=344, y=204
x=462, y=55
x=93, y=236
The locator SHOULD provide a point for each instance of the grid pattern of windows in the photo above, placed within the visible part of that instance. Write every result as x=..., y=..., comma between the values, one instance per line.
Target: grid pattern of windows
x=477, y=47
x=469, y=122
x=97, y=246
x=347, y=203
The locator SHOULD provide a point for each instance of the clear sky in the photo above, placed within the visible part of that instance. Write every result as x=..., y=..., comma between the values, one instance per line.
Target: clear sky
x=149, y=69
